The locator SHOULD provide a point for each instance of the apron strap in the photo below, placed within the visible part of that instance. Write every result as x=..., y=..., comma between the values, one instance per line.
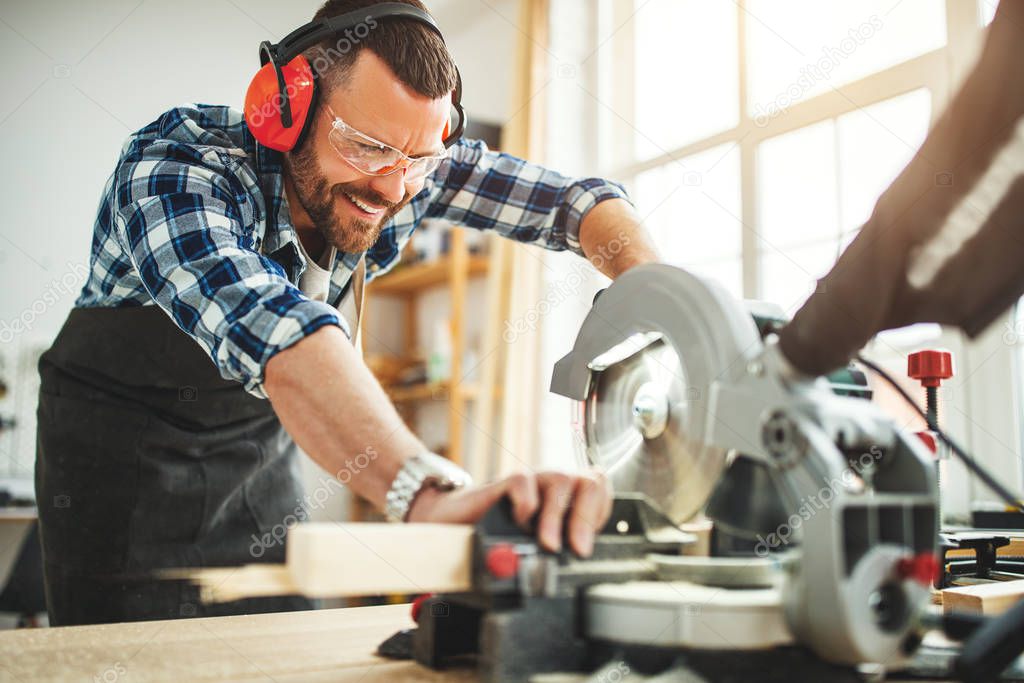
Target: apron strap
x=352, y=304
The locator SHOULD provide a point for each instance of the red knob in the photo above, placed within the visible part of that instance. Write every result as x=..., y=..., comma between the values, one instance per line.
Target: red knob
x=923, y=568
x=931, y=367
x=929, y=441
x=502, y=561
x=417, y=605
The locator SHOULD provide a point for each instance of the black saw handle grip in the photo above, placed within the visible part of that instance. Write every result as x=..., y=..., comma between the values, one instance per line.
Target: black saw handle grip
x=992, y=647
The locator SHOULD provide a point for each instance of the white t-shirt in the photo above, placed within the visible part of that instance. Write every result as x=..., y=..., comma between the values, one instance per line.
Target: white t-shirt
x=315, y=281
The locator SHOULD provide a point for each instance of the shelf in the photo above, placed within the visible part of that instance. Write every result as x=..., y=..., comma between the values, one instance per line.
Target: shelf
x=411, y=280
x=437, y=391
x=417, y=392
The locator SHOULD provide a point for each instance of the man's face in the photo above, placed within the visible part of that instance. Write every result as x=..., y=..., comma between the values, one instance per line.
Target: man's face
x=376, y=103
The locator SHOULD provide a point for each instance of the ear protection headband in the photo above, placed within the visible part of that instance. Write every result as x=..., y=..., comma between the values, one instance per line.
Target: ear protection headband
x=282, y=94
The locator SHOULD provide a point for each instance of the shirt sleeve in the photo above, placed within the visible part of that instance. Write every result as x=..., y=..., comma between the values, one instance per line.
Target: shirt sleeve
x=192, y=243
x=526, y=202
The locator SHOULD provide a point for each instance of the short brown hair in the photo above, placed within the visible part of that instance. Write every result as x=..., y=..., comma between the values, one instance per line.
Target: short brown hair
x=413, y=51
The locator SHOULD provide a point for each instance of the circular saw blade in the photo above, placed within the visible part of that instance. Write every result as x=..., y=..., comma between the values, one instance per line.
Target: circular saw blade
x=678, y=473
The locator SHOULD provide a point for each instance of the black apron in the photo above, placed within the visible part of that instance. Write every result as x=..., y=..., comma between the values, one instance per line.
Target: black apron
x=148, y=459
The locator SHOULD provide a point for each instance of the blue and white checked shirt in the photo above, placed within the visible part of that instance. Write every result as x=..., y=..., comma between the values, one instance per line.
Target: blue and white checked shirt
x=194, y=219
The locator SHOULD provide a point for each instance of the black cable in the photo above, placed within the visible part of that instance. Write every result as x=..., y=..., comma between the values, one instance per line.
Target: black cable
x=1003, y=492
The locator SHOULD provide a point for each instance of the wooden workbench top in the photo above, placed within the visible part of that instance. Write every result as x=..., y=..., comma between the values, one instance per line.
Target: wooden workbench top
x=328, y=645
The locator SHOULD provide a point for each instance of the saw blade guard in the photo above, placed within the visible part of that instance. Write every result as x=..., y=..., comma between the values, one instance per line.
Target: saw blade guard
x=642, y=369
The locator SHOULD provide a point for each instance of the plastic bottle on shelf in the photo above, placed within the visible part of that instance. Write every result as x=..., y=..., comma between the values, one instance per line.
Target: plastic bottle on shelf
x=439, y=360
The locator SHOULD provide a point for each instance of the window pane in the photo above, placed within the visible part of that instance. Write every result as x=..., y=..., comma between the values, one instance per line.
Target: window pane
x=800, y=48
x=789, y=276
x=686, y=73
x=728, y=273
x=875, y=143
x=692, y=209
x=796, y=188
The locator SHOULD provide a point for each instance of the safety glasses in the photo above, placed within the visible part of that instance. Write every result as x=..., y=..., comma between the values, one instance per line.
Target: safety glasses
x=373, y=157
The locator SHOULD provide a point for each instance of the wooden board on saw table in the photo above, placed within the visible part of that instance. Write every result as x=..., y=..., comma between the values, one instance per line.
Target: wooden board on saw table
x=985, y=598
x=348, y=560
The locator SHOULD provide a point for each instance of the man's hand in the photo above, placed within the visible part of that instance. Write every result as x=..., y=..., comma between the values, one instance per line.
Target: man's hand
x=586, y=497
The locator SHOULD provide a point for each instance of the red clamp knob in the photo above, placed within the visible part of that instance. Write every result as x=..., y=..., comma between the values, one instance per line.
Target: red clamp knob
x=930, y=367
x=929, y=441
x=502, y=561
x=417, y=605
x=923, y=568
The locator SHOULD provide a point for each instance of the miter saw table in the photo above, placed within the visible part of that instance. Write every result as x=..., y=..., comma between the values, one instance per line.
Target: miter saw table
x=825, y=514
x=633, y=604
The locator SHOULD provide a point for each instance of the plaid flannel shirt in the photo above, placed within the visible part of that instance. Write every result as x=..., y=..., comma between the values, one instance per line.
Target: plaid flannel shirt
x=194, y=219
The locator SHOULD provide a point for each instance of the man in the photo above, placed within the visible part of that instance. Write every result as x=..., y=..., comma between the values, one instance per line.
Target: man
x=210, y=246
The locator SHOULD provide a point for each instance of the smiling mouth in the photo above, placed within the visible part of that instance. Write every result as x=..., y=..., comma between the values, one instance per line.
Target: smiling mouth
x=362, y=206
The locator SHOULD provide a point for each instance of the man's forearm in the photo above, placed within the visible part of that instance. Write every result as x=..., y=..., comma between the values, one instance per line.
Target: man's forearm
x=613, y=238
x=334, y=408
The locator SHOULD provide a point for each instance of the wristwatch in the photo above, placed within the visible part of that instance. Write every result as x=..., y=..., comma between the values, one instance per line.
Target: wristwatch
x=425, y=469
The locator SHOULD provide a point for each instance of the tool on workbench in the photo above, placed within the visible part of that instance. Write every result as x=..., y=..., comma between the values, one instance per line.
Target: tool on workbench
x=677, y=389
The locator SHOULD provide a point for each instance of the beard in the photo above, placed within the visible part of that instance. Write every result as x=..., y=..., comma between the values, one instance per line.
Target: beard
x=346, y=233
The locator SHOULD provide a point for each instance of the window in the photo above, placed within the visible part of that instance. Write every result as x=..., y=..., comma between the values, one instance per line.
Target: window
x=705, y=189
x=818, y=185
x=756, y=136
x=798, y=49
x=678, y=35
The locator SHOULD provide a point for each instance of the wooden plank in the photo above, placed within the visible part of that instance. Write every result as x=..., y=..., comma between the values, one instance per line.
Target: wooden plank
x=987, y=598
x=328, y=646
x=337, y=560
x=224, y=584
x=330, y=560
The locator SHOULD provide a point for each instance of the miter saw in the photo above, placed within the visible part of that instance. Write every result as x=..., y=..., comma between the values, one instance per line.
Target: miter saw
x=828, y=514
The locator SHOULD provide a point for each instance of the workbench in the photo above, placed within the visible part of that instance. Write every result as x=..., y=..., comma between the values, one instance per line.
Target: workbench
x=313, y=647
x=323, y=646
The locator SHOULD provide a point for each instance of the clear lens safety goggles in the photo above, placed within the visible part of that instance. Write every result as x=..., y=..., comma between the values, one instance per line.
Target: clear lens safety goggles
x=373, y=157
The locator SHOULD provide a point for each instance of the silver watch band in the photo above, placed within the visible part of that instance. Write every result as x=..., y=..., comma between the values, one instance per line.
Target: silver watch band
x=425, y=469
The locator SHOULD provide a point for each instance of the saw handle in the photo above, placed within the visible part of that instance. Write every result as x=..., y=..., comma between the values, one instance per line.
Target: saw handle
x=992, y=647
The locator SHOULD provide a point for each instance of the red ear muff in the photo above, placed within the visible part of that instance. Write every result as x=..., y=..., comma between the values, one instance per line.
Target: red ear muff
x=264, y=102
